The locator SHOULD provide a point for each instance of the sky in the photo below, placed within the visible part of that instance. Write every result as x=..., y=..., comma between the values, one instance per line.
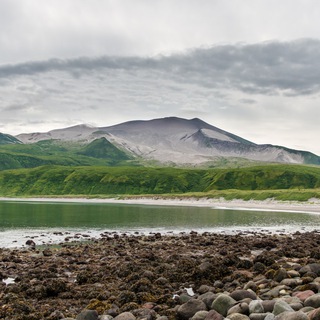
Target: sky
x=249, y=67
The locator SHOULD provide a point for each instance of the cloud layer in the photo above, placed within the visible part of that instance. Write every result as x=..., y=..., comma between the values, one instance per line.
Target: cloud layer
x=262, y=91
x=288, y=68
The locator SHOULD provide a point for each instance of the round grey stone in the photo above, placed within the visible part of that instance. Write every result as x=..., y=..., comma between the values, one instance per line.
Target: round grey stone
x=238, y=316
x=125, y=316
x=255, y=306
x=190, y=308
x=313, y=301
x=281, y=306
x=222, y=304
x=200, y=315
x=291, y=315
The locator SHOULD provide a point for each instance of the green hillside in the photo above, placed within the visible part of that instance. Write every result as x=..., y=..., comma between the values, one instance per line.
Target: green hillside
x=59, y=180
x=51, y=152
x=103, y=149
x=7, y=139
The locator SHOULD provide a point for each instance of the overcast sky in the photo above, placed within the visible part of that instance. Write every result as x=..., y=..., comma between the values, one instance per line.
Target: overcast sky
x=250, y=67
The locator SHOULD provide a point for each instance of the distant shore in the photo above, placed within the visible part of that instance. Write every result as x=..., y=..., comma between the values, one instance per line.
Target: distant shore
x=311, y=206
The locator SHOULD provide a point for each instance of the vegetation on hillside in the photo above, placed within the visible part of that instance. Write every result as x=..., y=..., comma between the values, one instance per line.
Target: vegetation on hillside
x=50, y=152
x=262, y=181
x=7, y=139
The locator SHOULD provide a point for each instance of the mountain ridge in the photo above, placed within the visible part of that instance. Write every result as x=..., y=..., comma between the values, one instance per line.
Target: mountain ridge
x=173, y=140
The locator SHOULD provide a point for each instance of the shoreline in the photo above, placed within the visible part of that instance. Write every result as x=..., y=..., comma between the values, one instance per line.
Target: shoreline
x=311, y=207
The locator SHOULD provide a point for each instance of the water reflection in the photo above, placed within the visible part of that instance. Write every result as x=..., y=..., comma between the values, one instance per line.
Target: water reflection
x=123, y=216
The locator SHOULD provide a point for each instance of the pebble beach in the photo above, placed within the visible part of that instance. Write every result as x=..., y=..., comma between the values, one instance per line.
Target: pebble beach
x=186, y=276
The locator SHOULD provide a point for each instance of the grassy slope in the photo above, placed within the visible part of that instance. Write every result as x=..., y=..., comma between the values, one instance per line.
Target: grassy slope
x=16, y=156
x=297, y=182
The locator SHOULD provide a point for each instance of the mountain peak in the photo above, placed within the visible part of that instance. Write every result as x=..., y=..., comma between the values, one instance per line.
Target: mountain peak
x=175, y=140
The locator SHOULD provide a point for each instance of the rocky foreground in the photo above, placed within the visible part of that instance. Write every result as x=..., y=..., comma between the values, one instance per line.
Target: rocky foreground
x=190, y=276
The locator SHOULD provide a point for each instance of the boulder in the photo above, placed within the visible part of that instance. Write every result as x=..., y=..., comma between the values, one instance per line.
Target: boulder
x=213, y=315
x=190, y=308
x=303, y=295
x=242, y=294
x=281, y=306
x=313, y=301
x=258, y=316
x=88, y=315
x=280, y=275
x=238, y=316
x=242, y=308
x=200, y=315
x=255, y=306
x=222, y=304
x=125, y=316
x=289, y=315
x=207, y=298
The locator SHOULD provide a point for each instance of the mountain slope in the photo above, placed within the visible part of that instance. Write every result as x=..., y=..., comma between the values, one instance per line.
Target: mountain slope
x=8, y=139
x=176, y=141
x=103, y=149
x=54, y=152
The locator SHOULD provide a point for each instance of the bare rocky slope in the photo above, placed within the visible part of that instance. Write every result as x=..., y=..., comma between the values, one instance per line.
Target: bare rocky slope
x=177, y=141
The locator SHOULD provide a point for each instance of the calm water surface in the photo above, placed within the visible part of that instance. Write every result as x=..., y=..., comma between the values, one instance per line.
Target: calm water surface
x=46, y=221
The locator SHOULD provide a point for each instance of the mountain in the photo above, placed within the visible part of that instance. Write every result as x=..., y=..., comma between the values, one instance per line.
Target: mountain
x=8, y=139
x=175, y=141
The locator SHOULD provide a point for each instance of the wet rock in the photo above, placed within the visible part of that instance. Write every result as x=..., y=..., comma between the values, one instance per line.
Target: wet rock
x=313, y=267
x=259, y=267
x=281, y=306
x=222, y=304
x=30, y=243
x=207, y=298
x=293, y=273
x=125, y=316
x=289, y=282
x=200, y=315
x=251, y=285
x=258, y=316
x=105, y=317
x=238, y=316
x=313, y=301
x=88, y=315
x=306, y=309
x=242, y=294
x=280, y=275
x=268, y=305
x=203, y=289
x=183, y=298
x=242, y=308
x=303, y=295
x=255, y=306
x=289, y=315
x=269, y=316
x=314, y=314
x=213, y=315
x=190, y=308
x=309, y=286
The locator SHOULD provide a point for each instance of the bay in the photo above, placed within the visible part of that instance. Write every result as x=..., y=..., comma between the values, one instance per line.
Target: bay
x=51, y=222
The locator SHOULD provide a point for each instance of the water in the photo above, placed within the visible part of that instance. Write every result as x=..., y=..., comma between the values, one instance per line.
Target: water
x=51, y=222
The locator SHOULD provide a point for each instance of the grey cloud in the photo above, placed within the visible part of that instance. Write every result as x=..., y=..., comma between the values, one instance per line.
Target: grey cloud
x=248, y=101
x=273, y=68
x=14, y=107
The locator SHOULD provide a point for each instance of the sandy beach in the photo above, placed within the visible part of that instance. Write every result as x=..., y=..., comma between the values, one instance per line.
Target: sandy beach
x=311, y=206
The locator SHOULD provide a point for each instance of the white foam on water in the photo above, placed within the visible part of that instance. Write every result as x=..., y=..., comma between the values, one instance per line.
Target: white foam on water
x=17, y=238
